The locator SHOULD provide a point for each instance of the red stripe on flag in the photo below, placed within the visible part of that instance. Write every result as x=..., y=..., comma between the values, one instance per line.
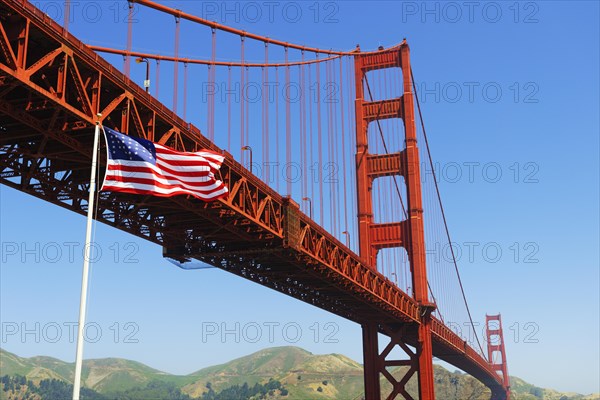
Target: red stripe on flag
x=147, y=169
x=149, y=181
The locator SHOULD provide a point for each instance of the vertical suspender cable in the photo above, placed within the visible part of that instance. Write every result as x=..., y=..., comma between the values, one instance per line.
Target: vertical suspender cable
x=247, y=105
x=320, y=145
x=331, y=190
x=311, y=136
x=336, y=167
x=229, y=109
x=176, y=65
x=266, y=103
x=209, y=93
x=185, y=85
x=212, y=74
x=242, y=99
x=333, y=150
x=67, y=15
x=345, y=193
x=277, y=150
x=157, y=78
x=303, y=123
x=263, y=120
x=288, y=128
x=129, y=38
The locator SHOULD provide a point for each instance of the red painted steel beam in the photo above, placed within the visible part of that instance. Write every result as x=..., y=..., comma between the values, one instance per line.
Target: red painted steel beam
x=371, y=361
x=381, y=165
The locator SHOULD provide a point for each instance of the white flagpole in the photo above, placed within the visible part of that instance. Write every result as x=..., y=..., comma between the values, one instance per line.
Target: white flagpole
x=86, y=267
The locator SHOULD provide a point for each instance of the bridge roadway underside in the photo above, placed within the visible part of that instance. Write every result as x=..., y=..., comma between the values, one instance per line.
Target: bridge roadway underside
x=52, y=86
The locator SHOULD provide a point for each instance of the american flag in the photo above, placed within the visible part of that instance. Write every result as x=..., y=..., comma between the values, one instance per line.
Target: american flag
x=142, y=167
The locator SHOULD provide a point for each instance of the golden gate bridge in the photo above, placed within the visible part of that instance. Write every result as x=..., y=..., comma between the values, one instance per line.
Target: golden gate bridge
x=288, y=223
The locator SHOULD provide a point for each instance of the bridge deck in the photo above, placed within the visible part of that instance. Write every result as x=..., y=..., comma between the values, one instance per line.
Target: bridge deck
x=51, y=87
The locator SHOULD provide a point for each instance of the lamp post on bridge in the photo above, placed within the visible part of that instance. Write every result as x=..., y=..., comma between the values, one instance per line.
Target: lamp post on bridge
x=347, y=238
x=147, y=81
x=309, y=206
x=250, y=150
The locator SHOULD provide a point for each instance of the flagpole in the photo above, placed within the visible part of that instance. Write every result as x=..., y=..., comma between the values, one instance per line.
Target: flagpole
x=86, y=266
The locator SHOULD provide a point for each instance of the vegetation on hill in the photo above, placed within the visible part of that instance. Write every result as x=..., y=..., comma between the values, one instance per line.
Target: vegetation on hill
x=19, y=388
x=258, y=391
x=274, y=373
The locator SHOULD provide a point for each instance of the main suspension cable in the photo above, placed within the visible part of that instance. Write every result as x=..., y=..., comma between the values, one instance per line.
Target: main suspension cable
x=239, y=32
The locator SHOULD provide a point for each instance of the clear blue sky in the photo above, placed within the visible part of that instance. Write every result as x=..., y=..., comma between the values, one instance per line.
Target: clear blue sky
x=544, y=58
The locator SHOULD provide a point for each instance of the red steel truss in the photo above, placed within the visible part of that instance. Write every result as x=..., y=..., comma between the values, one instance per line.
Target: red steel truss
x=51, y=88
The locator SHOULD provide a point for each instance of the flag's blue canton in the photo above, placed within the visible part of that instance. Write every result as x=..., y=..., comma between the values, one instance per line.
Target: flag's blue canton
x=123, y=147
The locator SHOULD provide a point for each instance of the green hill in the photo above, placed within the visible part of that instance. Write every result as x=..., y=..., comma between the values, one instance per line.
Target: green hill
x=303, y=375
x=35, y=368
x=102, y=375
x=300, y=371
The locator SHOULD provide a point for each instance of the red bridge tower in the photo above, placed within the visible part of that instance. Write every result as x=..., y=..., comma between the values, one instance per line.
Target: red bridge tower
x=495, y=344
x=408, y=234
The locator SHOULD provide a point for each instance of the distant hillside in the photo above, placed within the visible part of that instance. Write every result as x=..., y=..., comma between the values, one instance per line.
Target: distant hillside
x=303, y=375
x=103, y=375
x=300, y=371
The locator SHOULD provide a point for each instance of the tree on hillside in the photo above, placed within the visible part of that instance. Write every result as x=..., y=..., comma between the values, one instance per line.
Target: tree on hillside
x=245, y=392
x=47, y=389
